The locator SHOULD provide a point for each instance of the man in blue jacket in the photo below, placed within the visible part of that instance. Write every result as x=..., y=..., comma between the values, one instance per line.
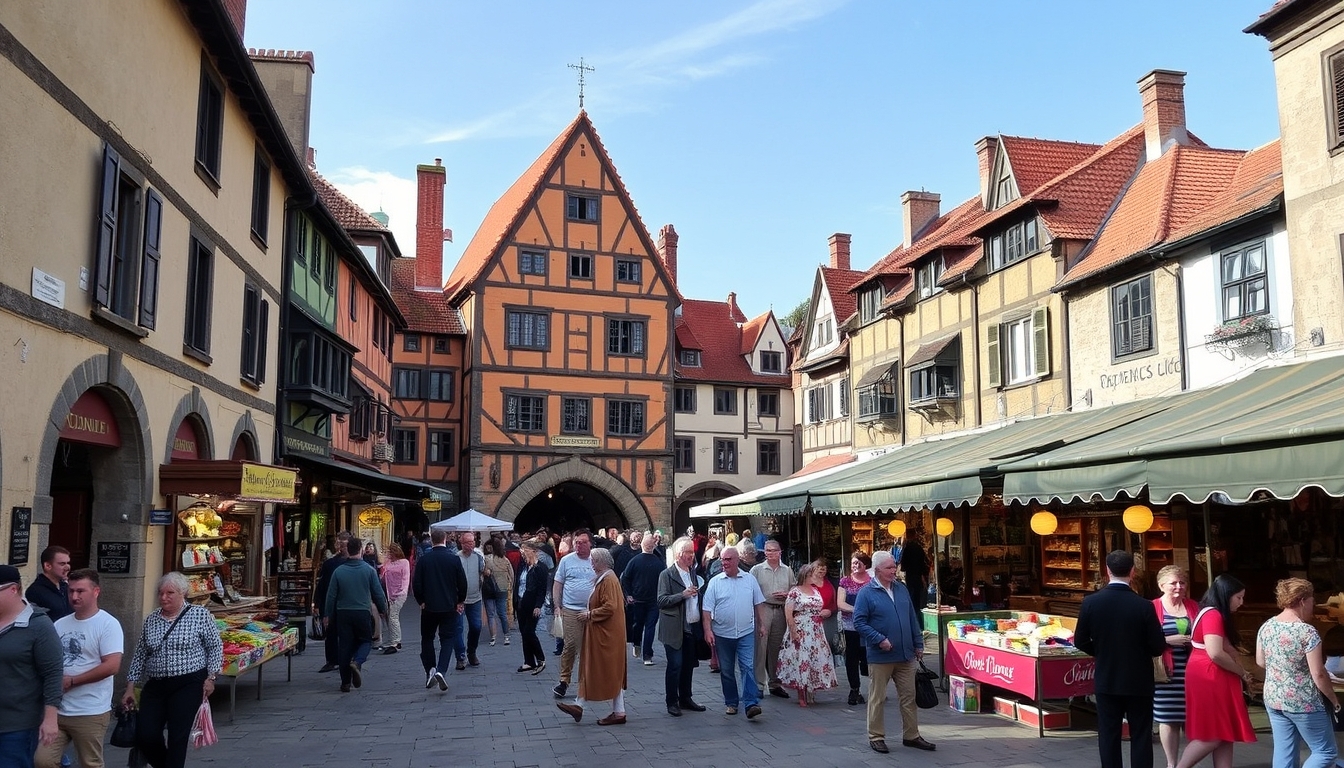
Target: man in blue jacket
x=440, y=587
x=893, y=636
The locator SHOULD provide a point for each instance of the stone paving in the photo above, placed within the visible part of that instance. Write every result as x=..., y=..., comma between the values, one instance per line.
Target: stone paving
x=493, y=716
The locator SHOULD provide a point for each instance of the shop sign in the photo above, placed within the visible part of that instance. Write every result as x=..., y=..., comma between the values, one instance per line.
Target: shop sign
x=186, y=442
x=1061, y=676
x=265, y=483
x=574, y=441
x=48, y=288
x=20, y=534
x=90, y=421
x=375, y=517
x=160, y=517
x=114, y=557
x=431, y=505
x=305, y=443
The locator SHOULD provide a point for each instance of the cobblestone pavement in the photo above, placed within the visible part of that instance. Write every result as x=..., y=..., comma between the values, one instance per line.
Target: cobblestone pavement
x=493, y=716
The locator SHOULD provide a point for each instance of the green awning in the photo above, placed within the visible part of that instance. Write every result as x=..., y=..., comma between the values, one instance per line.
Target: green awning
x=1277, y=430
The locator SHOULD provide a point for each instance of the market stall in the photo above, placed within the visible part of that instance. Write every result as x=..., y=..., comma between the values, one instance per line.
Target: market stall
x=250, y=641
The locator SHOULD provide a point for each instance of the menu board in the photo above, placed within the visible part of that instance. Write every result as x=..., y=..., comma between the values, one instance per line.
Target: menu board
x=20, y=533
x=114, y=557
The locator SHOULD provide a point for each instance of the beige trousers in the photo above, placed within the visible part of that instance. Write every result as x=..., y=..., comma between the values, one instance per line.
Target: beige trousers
x=573, y=629
x=86, y=731
x=903, y=674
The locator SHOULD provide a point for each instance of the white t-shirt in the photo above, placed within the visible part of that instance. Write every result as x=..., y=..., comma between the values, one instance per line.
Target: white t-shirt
x=83, y=646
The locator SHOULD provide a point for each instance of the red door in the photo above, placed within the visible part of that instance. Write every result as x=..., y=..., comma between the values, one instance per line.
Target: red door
x=71, y=524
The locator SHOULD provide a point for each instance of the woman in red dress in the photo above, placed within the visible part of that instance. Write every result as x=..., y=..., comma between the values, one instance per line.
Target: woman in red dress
x=1215, y=710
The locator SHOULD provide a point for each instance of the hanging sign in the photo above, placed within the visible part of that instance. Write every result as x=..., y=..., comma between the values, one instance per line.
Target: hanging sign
x=431, y=505
x=114, y=557
x=266, y=483
x=375, y=517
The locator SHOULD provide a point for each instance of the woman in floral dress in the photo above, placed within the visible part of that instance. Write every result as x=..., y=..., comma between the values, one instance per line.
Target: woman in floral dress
x=805, y=661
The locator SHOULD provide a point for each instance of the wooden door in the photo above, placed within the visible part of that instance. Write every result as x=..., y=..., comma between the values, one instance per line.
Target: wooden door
x=72, y=524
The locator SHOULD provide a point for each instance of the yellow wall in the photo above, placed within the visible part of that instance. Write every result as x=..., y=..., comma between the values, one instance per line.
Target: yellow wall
x=1092, y=365
x=876, y=345
x=934, y=319
x=1022, y=286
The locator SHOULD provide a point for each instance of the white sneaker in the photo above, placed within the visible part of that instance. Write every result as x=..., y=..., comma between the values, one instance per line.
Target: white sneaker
x=438, y=678
x=429, y=683
x=506, y=639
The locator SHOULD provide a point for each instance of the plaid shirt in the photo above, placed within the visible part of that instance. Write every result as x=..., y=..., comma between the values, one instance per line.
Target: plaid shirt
x=193, y=646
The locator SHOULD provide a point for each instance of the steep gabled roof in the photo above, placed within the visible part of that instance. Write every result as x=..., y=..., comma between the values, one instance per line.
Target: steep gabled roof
x=1036, y=161
x=751, y=332
x=1257, y=185
x=952, y=229
x=838, y=282
x=347, y=212
x=723, y=349
x=426, y=311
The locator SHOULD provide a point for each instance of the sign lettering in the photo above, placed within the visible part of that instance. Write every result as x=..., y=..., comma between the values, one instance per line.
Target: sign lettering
x=1135, y=374
x=1061, y=677
x=574, y=441
x=114, y=557
x=265, y=483
x=20, y=534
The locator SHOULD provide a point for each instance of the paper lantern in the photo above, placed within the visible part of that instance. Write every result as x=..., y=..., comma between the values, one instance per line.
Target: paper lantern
x=1138, y=518
x=1044, y=523
x=896, y=528
x=944, y=526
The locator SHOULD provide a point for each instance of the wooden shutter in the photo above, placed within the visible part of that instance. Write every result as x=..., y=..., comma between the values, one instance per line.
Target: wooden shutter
x=149, y=261
x=995, y=358
x=1040, y=331
x=1336, y=66
x=248, y=364
x=107, y=228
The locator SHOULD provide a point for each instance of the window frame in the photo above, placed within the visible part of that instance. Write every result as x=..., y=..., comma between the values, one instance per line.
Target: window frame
x=200, y=297
x=820, y=406
x=1014, y=243
x=538, y=327
x=761, y=399
x=730, y=467
x=844, y=397
x=528, y=261
x=443, y=446
x=410, y=342
x=772, y=354
x=999, y=353
x=1241, y=251
x=408, y=383
x=1332, y=81
x=878, y=400
x=622, y=339
x=683, y=447
x=261, y=197
x=677, y=394
x=582, y=427
x=209, y=153
x=447, y=380
x=626, y=417
x=870, y=304
x=512, y=421
x=731, y=395
x=441, y=345
x=256, y=322
x=405, y=438
x=581, y=266
x=1129, y=321
x=584, y=208
x=633, y=268
x=927, y=276
x=129, y=244
x=762, y=449
x=924, y=381
x=693, y=361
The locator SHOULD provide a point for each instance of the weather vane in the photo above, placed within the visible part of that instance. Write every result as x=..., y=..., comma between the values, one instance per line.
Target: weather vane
x=582, y=68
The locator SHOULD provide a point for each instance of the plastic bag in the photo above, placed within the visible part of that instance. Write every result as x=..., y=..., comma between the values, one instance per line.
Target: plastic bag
x=203, y=730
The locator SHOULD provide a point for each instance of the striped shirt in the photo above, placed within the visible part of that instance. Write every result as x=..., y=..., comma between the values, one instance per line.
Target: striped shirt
x=194, y=645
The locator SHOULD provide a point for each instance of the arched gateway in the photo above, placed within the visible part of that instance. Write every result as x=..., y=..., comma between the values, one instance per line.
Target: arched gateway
x=572, y=492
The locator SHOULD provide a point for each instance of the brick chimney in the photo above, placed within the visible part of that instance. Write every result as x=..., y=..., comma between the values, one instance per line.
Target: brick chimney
x=917, y=210
x=733, y=312
x=288, y=78
x=237, y=10
x=1163, y=94
x=667, y=249
x=986, y=149
x=839, y=250
x=430, y=180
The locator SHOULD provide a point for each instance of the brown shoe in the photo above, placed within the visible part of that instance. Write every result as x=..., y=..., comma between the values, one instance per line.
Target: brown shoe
x=612, y=719
x=573, y=710
x=879, y=745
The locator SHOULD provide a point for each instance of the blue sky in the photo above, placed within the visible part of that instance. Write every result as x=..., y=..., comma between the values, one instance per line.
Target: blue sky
x=757, y=128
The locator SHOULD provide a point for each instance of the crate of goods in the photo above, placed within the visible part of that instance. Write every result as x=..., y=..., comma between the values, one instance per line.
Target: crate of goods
x=1056, y=718
x=1005, y=706
x=963, y=694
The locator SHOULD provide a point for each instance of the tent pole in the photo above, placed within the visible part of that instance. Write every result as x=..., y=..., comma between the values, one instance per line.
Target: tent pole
x=1208, y=544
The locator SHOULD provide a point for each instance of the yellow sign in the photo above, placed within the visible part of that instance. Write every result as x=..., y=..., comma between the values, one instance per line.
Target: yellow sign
x=431, y=505
x=574, y=441
x=375, y=517
x=266, y=483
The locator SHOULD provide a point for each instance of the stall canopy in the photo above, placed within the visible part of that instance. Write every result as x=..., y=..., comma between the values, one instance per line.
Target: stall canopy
x=1277, y=430
x=744, y=504
x=471, y=520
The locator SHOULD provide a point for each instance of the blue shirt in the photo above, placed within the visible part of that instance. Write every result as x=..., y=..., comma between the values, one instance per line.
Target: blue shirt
x=731, y=604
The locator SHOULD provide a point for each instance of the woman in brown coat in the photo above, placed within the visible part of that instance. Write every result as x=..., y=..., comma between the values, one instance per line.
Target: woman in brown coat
x=602, y=660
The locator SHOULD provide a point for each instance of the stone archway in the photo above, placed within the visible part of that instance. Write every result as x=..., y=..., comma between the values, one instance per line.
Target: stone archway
x=699, y=493
x=191, y=406
x=245, y=429
x=574, y=469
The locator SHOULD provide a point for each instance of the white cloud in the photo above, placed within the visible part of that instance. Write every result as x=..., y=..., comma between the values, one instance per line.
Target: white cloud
x=381, y=190
x=757, y=19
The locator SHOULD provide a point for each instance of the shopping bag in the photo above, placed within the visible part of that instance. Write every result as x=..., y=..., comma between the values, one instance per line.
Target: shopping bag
x=925, y=696
x=123, y=735
x=557, y=627
x=316, y=631
x=203, y=730
x=1160, y=670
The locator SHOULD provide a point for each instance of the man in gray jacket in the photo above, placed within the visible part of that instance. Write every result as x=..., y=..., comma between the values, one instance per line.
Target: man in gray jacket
x=679, y=625
x=354, y=593
x=31, y=668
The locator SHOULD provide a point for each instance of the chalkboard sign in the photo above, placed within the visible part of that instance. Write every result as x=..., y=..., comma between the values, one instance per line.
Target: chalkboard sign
x=20, y=532
x=114, y=557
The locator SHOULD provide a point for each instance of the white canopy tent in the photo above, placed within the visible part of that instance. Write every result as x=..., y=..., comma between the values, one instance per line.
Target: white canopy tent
x=471, y=520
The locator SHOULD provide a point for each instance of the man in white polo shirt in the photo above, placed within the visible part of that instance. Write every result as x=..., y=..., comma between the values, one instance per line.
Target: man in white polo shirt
x=91, y=645
x=732, y=612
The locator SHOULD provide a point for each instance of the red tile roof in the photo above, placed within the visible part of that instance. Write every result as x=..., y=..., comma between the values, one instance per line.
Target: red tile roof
x=1257, y=183
x=346, y=212
x=751, y=332
x=825, y=462
x=426, y=311
x=723, y=353
x=1036, y=161
x=838, y=282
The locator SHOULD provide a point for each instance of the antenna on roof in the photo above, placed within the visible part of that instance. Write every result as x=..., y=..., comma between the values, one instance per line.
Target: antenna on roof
x=583, y=69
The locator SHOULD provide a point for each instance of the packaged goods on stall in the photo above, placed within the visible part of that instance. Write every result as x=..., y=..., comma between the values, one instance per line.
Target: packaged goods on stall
x=250, y=639
x=1036, y=634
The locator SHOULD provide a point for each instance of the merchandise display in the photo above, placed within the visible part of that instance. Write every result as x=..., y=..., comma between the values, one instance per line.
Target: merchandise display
x=1034, y=634
x=250, y=640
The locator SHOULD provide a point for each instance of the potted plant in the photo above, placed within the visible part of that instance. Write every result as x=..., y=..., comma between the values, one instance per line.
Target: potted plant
x=1241, y=331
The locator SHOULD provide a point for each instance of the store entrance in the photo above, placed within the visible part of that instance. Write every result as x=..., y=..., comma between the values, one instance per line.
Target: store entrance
x=72, y=501
x=568, y=506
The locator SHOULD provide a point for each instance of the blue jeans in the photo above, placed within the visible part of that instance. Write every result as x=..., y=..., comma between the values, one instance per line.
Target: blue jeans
x=17, y=748
x=468, y=639
x=1314, y=728
x=497, y=614
x=643, y=625
x=741, y=650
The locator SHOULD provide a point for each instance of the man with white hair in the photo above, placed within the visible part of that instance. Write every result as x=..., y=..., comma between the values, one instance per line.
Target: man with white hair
x=893, y=637
x=639, y=581
x=731, y=612
x=678, y=601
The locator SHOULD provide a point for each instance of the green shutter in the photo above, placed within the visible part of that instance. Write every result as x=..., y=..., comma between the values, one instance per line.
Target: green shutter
x=995, y=358
x=1040, y=330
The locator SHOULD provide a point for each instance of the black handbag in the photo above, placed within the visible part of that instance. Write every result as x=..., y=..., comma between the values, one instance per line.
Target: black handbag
x=123, y=735
x=489, y=587
x=925, y=696
x=315, y=630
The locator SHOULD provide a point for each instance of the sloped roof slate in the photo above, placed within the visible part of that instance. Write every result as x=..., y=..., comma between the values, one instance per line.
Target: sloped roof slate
x=426, y=311
x=721, y=345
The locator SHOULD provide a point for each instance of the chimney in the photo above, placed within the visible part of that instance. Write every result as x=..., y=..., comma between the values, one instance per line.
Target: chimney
x=667, y=249
x=1163, y=95
x=839, y=250
x=288, y=78
x=733, y=312
x=986, y=149
x=430, y=180
x=237, y=10
x=917, y=210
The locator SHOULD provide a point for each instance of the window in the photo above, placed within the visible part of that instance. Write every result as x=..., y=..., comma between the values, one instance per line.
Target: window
x=684, y=399
x=772, y=362
x=317, y=365
x=1013, y=244
x=725, y=400
x=823, y=332
x=581, y=208
x=200, y=279
x=410, y=342
x=256, y=322
x=209, y=125
x=361, y=416
x=1019, y=349
x=531, y=263
x=575, y=415
x=935, y=381
x=404, y=446
x=767, y=402
x=126, y=264
x=261, y=196
x=927, y=276
x=1245, y=281
x=625, y=337
x=441, y=345
x=625, y=417
x=818, y=404
x=354, y=299
x=524, y=413
x=315, y=254
x=581, y=266
x=378, y=328
x=878, y=401
x=844, y=397
x=627, y=271
x=440, y=447
x=390, y=333
x=690, y=358
x=1132, y=317
x=406, y=383
x=870, y=304
x=1333, y=61
x=683, y=454
x=767, y=457
x=329, y=279
x=528, y=330
x=440, y=386
x=725, y=456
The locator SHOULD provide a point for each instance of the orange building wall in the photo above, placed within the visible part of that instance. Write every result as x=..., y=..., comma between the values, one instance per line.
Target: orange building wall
x=369, y=366
x=424, y=415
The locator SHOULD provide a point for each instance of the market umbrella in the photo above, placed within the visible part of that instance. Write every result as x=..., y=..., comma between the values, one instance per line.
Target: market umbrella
x=471, y=520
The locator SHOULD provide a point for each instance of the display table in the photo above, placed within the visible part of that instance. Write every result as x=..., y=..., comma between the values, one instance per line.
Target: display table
x=239, y=661
x=1057, y=675
x=935, y=622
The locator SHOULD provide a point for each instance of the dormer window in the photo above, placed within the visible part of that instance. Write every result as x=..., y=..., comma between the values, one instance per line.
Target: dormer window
x=690, y=358
x=1015, y=243
x=870, y=304
x=927, y=276
x=772, y=362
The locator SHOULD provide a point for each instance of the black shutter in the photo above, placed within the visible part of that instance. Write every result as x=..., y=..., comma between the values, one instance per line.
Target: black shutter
x=107, y=228
x=263, y=326
x=248, y=364
x=149, y=261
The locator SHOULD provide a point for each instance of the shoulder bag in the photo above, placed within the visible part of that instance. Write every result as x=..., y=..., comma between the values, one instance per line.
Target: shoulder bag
x=925, y=696
x=151, y=650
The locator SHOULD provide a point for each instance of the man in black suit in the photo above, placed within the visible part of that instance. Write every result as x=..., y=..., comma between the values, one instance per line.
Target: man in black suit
x=1121, y=630
x=440, y=587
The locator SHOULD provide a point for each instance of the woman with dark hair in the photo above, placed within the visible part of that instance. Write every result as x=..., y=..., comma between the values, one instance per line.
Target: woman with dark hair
x=1215, y=709
x=856, y=660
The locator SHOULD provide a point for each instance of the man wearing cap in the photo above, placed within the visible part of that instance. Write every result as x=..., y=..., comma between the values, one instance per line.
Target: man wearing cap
x=31, y=660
